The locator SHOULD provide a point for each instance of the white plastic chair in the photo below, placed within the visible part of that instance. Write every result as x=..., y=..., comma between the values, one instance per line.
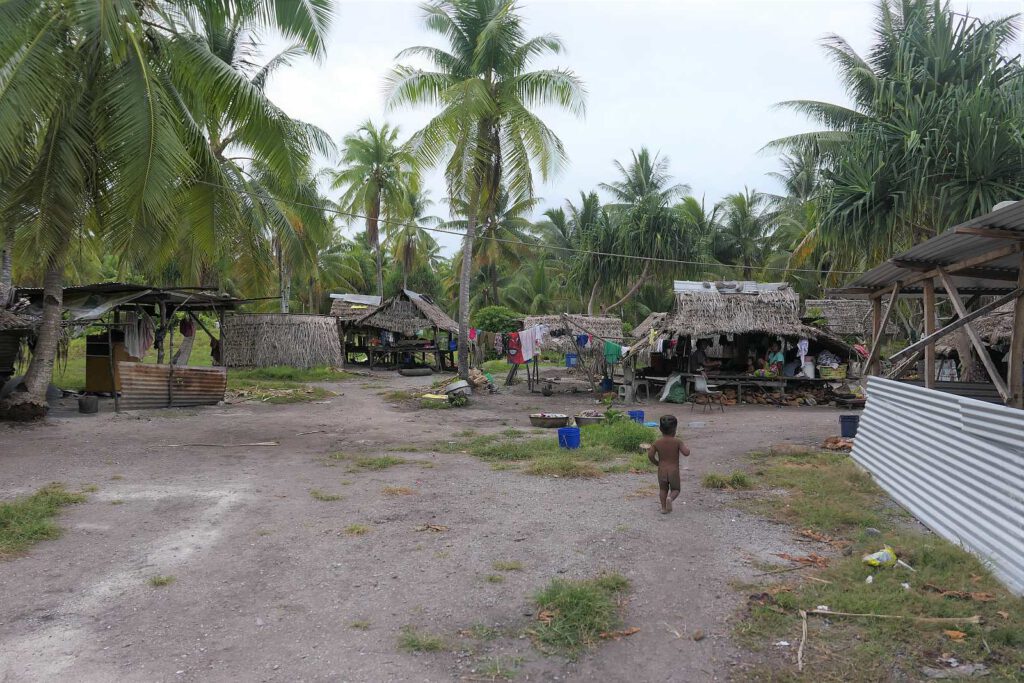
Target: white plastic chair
x=701, y=388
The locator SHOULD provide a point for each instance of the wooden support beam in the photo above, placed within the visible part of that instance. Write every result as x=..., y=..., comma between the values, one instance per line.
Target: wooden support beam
x=979, y=260
x=1015, y=378
x=956, y=324
x=979, y=346
x=878, y=326
x=929, y=327
x=876, y=335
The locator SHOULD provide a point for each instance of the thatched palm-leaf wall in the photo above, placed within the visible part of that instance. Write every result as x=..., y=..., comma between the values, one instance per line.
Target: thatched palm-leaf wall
x=846, y=317
x=265, y=339
x=606, y=327
x=350, y=308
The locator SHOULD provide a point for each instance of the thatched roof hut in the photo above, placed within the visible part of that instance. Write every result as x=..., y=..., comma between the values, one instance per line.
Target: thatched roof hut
x=706, y=309
x=349, y=308
x=257, y=340
x=563, y=327
x=22, y=322
x=407, y=313
x=844, y=317
x=654, y=321
x=995, y=328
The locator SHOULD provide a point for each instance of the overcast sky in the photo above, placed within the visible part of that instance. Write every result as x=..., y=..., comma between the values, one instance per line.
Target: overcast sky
x=694, y=80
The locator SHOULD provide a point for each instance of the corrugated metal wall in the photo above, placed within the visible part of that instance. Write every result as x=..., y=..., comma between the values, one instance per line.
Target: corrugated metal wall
x=956, y=463
x=147, y=385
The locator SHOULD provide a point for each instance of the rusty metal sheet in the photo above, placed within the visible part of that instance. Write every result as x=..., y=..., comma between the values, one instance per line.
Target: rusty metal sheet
x=957, y=464
x=147, y=385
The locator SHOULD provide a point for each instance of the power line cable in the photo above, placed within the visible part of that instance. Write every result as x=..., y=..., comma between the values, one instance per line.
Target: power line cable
x=536, y=245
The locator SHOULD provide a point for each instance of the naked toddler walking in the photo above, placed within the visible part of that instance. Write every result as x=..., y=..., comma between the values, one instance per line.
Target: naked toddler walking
x=665, y=454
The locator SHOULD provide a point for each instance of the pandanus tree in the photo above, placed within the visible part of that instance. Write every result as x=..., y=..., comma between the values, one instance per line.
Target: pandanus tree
x=98, y=131
x=483, y=84
x=377, y=176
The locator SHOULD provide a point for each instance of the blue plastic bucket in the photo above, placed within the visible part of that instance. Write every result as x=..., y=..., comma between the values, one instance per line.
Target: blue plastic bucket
x=636, y=416
x=848, y=425
x=569, y=437
x=453, y=344
x=607, y=384
x=570, y=360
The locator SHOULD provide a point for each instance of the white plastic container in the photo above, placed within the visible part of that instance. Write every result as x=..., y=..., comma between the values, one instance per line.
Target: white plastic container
x=809, y=369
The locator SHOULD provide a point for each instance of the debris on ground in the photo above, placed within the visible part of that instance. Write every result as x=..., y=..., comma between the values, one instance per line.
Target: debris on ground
x=811, y=560
x=617, y=635
x=955, y=635
x=822, y=538
x=886, y=557
x=698, y=635
x=438, y=528
x=978, y=596
x=837, y=443
x=966, y=670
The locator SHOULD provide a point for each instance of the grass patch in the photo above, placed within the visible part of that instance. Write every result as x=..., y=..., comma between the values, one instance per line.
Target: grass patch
x=563, y=465
x=734, y=481
x=29, y=519
x=90, y=488
x=495, y=578
x=117, y=501
x=399, y=395
x=435, y=404
x=360, y=625
x=499, y=668
x=116, y=477
x=827, y=493
x=397, y=491
x=282, y=373
x=481, y=632
x=414, y=640
x=357, y=529
x=160, y=581
x=379, y=463
x=323, y=496
x=507, y=565
x=574, y=613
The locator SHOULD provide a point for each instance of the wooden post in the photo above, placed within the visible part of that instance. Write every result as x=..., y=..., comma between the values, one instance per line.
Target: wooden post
x=1015, y=376
x=161, y=332
x=874, y=362
x=929, y=327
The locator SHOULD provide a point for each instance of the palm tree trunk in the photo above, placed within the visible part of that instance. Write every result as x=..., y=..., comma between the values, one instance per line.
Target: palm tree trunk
x=464, y=280
x=494, y=285
x=635, y=288
x=593, y=296
x=373, y=232
x=7, y=267
x=28, y=401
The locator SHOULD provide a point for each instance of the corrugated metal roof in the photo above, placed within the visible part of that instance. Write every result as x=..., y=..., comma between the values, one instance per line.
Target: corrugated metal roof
x=360, y=299
x=994, y=277
x=955, y=463
x=729, y=286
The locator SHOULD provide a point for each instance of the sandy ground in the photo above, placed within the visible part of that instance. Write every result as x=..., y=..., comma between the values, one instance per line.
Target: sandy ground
x=267, y=584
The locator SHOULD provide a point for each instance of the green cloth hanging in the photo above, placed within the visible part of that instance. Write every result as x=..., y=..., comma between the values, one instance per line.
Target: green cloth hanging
x=612, y=352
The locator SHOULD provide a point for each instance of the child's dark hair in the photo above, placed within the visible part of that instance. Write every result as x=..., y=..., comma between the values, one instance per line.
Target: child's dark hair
x=668, y=425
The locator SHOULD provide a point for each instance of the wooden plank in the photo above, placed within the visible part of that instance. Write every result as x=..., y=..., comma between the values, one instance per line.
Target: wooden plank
x=979, y=260
x=994, y=233
x=929, y=328
x=876, y=334
x=979, y=346
x=1015, y=377
x=957, y=324
x=879, y=326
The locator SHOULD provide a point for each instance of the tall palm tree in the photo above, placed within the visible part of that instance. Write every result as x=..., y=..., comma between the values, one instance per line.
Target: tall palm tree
x=485, y=89
x=376, y=178
x=412, y=246
x=746, y=230
x=95, y=126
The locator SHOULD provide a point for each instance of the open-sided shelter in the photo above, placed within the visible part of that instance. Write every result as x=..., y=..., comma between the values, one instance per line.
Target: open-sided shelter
x=403, y=322
x=348, y=310
x=977, y=265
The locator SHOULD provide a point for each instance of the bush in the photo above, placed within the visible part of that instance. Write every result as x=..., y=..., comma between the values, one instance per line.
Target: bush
x=577, y=612
x=496, y=319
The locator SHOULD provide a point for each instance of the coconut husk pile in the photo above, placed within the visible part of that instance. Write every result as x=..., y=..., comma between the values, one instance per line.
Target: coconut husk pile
x=803, y=397
x=478, y=379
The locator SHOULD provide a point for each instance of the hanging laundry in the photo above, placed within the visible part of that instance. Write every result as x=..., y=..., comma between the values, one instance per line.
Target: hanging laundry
x=651, y=336
x=802, y=347
x=472, y=334
x=527, y=343
x=187, y=327
x=583, y=340
x=514, y=349
x=499, y=343
x=612, y=352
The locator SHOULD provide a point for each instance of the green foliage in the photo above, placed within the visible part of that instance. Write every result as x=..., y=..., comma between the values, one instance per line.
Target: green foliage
x=323, y=497
x=378, y=463
x=414, y=640
x=160, y=581
x=736, y=480
x=496, y=319
x=577, y=612
x=28, y=520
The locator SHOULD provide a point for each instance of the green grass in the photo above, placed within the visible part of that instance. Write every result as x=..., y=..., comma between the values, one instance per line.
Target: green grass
x=160, y=581
x=414, y=640
x=360, y=625
x=283, y=373
x=617, y=445
x=574, y=613
x=507, y=565
x=495, y=578
x=357, y=529
x=828, y=494
x=322, y=496
x=498, y=668
x=736, y=480
x=29, y=519
x=481, y=632
x=382, y=462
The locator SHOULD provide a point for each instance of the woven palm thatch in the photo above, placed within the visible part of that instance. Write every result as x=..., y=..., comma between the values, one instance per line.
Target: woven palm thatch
x=264, y=339
x=706, y=309
x=11, y=320
x=994, y=329
x=348, y=308
x=562, y=329
x=407, y=313
x=652, y=322
x=845, y=317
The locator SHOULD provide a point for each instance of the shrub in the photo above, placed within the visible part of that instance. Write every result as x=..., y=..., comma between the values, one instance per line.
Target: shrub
x=496, y=319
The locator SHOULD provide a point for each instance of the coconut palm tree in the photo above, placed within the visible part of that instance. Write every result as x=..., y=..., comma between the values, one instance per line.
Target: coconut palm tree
x=376, y=178
x=96, y=127
x=485, y=90
x=746, y=230
x=412, y=246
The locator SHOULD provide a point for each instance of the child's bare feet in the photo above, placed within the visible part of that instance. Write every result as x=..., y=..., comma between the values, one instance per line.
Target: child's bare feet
x=668, y=505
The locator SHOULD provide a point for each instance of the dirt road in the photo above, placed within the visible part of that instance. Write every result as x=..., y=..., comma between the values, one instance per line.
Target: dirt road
x=269, y=586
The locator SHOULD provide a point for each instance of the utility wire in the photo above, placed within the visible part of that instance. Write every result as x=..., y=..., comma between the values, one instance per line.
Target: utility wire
x=535, y=245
